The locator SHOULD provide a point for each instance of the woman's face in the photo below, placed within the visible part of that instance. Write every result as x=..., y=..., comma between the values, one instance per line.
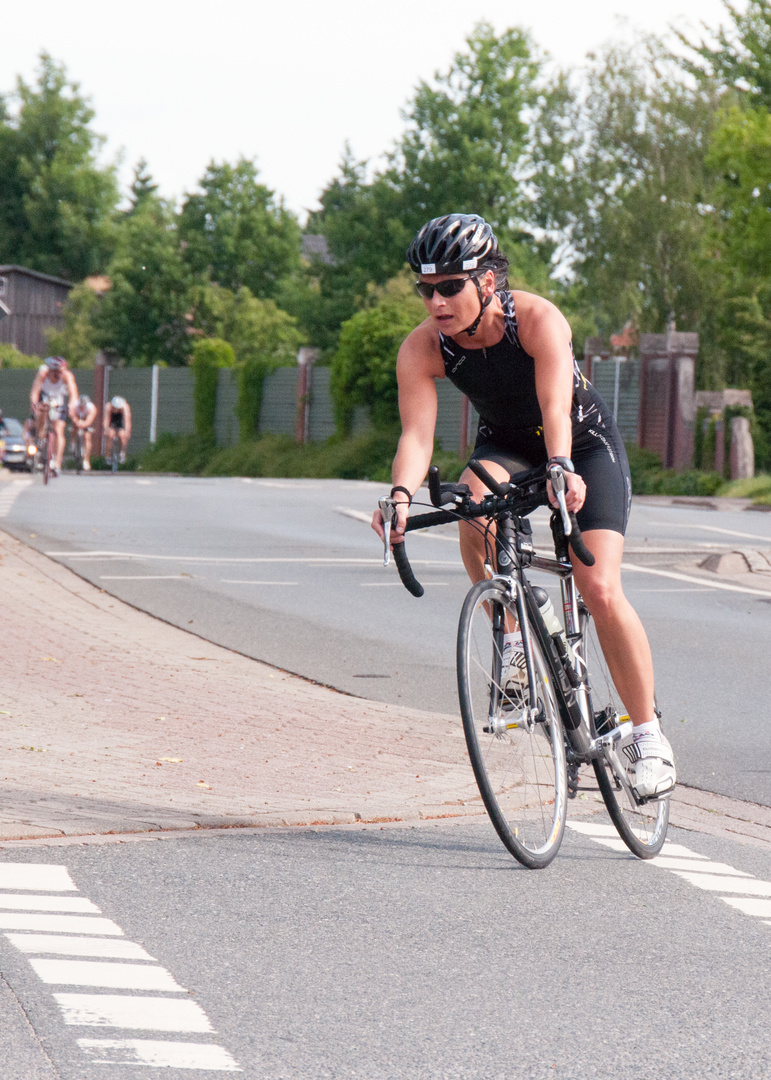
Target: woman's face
x=454, y=313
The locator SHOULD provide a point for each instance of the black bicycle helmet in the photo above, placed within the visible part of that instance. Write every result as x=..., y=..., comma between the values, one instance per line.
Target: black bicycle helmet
x=451, y=244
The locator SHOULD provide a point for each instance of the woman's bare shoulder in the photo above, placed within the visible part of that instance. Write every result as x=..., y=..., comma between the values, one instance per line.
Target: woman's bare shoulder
x=535, y=314
x=420, y=351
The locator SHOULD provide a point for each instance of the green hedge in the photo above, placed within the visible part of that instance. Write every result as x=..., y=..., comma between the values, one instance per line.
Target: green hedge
x=209, y=355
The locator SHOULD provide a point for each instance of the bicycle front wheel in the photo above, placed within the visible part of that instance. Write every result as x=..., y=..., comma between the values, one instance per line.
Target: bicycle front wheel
x=643, y=828
x=518, y=761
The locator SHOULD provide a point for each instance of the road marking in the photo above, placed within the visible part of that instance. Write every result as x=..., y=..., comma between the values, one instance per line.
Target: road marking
x=49, y=903
x=38, y=877
x=105, y=972
x=760, y=908
x=375, y=560
x=137, y=1013
x=717, y=529
x=247, y=581
x=11, y=494
x=694, y=580
x=697, y=870
x=145, y=577
x=724, y=883
x=169, y=1055
x=59, y=924
x=78, y=946
x=112, y=976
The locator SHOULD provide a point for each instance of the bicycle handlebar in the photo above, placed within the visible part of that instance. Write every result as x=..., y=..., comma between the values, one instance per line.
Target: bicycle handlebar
x=490, y=506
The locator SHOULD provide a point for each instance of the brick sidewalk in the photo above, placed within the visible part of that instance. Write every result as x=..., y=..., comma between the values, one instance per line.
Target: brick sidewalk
x=115, y=722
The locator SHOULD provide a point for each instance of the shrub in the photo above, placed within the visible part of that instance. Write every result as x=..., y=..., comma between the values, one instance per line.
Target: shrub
x=10, y=357
x=209, y=355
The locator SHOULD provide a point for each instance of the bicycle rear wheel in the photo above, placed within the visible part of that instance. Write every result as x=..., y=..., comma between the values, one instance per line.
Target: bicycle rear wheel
x=48, y=450
x=520, y=766
x=642, y=828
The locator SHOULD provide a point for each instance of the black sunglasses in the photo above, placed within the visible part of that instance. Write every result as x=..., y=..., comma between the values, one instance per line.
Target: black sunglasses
x=444, y=288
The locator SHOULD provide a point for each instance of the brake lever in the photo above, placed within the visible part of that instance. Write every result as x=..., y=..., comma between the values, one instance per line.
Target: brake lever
x=387, y=508
x=557, y=477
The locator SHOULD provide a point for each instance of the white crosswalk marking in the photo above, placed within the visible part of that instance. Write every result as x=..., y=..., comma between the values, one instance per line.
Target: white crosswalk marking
x=84, y=935
x=49, y=903
x=59, y=924
x=122, y=1011
x=37, y=877
x=696, y=869
x=169, y=1055
x=11, y=493
x=79, y=946
x=112, y=976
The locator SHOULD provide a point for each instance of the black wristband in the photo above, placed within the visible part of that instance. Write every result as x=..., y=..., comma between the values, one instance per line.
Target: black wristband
x=565, y=462
x=404, y=490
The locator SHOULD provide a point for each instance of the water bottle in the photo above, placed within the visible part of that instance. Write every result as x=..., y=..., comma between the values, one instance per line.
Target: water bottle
x=549, y=616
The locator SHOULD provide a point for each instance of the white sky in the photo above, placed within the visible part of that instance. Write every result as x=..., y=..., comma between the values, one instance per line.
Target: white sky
x=180, y=83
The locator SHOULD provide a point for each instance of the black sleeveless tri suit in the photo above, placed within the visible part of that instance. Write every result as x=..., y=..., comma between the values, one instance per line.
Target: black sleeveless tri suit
x=500, y=383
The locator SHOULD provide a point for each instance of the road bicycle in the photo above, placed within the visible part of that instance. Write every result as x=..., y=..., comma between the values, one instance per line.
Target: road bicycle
x=115, y=455
x=46, y=444
x=529, y=728
x=79, y=448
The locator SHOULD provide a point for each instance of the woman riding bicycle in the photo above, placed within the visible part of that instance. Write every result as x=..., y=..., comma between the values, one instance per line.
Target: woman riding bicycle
x=511, y=353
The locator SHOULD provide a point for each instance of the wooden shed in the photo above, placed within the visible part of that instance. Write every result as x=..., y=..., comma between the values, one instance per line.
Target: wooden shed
x=30, y=304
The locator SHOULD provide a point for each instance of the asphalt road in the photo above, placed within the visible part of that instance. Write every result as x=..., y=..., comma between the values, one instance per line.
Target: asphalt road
x=385, y=954
x=288, y=572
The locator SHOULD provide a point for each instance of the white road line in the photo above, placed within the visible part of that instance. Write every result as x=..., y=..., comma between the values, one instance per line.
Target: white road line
x=38, y=877
x=694, y=580
x=10, y=495
x=715, y=877
x=375, y=560
x=169, y=1055
x=247, y=581
x=137, y=1013
x=145, y=577
x=723, y=883
x=60, y=924
x=760, y=908
x=103, y=971
x=716, y=529
x=105, y=948
x=49, y=903
x=111, y=976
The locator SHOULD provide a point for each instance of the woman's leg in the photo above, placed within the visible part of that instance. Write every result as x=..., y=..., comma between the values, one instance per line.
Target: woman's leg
x=620, y=632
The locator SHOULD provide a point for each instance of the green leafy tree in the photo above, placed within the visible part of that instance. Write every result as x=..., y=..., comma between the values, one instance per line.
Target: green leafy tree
x=209, y=355
x=238, y=233
x=629, y=187
x=143, y=187
x=57, y=204
x=364, y=364
x=78, y=340
x=144, y=315
x=263, y=336
x=738, y=55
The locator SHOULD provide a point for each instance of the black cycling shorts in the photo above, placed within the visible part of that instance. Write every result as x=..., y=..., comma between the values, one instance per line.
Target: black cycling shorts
x=599, y=457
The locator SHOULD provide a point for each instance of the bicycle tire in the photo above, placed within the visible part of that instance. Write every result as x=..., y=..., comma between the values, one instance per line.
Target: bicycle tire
x=521, y=772
x=642, y=828
x=49, y=446
x=114, y=457
x=79, y=455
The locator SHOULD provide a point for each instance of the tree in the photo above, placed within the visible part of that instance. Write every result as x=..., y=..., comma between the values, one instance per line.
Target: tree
x=143, y=187
x=209, y=355
x=629, y=189
x=238, y=233
x=738, y=56
x=144, y=315
x=78, y=340
x=364, y=365
x=263, y=338
x=57, y=205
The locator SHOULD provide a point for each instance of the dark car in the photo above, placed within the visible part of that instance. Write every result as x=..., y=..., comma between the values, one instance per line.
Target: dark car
x=15, y=445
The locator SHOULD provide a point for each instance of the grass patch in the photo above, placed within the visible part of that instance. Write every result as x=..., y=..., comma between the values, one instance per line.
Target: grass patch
x=758, y=488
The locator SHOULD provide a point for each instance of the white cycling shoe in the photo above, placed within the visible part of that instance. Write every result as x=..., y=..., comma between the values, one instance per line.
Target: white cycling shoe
x=652, y=772
x=513, y=677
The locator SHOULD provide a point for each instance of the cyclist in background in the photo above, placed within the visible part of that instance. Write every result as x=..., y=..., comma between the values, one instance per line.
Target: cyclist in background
x=117, y=425
x=83, y=420
x=54, y=386
x=511, y=353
